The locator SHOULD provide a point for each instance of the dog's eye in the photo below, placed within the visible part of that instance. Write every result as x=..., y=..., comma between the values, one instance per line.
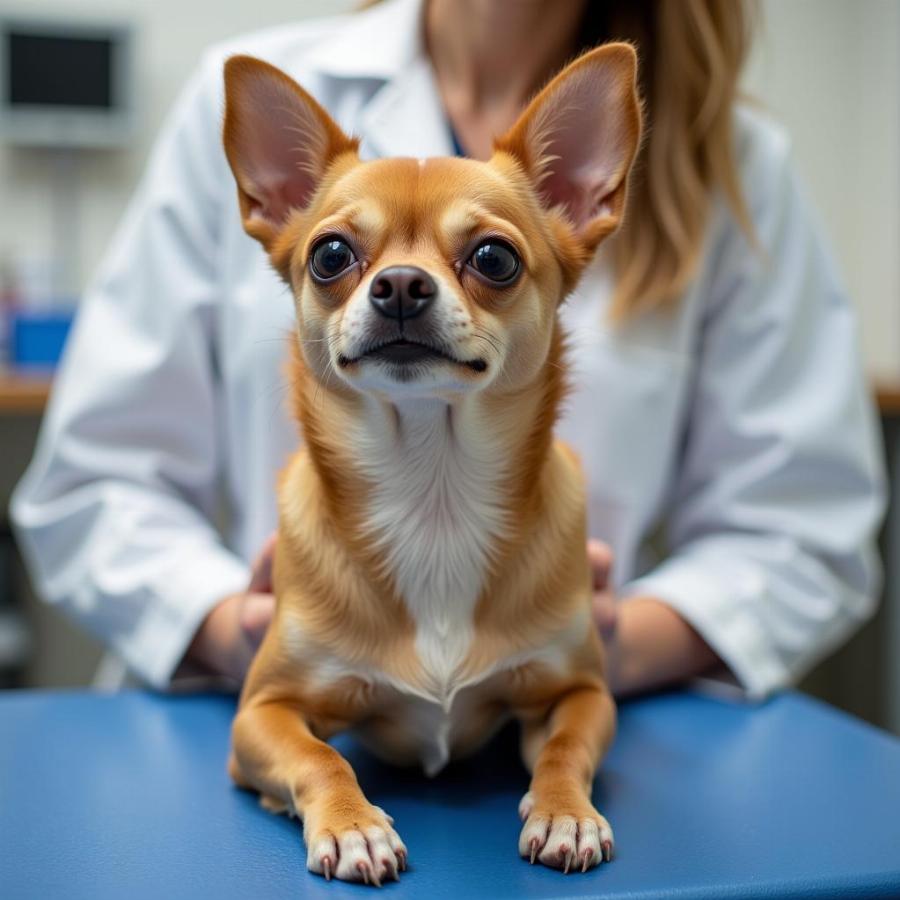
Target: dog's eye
x=331, y=257
x=496, y=261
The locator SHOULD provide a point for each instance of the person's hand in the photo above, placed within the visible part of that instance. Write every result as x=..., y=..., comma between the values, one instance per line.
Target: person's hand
x=605, y=610
x=648, y=644
x=234, y=628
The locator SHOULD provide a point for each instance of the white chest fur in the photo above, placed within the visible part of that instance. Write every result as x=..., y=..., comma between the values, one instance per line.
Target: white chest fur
x=435, y=512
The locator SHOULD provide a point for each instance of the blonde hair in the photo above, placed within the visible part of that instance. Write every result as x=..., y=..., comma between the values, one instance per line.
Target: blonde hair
x=691, y=53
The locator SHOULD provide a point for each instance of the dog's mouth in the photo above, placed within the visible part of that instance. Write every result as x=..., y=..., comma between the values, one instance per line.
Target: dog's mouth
x=403, y=352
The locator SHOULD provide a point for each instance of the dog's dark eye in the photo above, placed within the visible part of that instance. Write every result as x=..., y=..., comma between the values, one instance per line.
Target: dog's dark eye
x=331, y=257
x=496, y=261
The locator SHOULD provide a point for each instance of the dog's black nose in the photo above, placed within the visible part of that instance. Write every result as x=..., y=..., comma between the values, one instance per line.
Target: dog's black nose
x=402, y=292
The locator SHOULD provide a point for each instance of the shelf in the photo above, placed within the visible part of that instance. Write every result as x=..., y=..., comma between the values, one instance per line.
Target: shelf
x=26, y=393
x=23, y=393
x=888, y=395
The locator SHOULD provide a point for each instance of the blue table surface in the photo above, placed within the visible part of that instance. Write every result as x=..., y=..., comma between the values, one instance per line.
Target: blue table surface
x=126, y=796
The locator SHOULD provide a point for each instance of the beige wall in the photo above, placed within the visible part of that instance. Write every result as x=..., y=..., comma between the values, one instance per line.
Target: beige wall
x=830, y=71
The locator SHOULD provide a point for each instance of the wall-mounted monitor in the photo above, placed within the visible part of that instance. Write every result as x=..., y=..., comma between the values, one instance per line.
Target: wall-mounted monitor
x=66, y=83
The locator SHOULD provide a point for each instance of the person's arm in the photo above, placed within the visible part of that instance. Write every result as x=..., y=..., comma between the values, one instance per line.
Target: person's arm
x=228, y=638
x=114, y=513
x=648, y=644
x=654, y=646
x=780, y=488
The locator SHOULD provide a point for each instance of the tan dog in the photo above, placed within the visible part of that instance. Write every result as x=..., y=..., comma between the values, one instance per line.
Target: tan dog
x=431, y=571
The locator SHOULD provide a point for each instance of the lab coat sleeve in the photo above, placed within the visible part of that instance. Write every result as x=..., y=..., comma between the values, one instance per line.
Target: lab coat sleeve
x=780, y=489
x=114, y=513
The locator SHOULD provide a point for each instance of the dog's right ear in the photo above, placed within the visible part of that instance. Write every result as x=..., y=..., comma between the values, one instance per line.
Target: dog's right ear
x=578, y=138
x=279, y=143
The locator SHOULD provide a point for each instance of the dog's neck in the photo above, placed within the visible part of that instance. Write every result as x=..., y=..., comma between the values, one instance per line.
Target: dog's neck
x=510, y=428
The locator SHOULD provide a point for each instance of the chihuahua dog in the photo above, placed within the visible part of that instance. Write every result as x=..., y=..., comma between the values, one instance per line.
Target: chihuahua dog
x=431, y=571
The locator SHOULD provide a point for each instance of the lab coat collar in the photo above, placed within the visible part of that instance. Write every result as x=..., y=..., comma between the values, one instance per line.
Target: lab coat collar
x=405, y=116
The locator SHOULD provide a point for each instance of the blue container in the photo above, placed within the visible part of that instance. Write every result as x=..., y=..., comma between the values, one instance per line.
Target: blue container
x=38, y=338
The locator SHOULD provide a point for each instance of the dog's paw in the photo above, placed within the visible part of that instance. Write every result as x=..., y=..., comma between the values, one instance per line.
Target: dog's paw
x=564, y=839
x=369, y=850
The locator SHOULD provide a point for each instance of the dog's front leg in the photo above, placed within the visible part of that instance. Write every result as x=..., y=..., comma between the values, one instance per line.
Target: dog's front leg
x=562, y=829
x=346, y=836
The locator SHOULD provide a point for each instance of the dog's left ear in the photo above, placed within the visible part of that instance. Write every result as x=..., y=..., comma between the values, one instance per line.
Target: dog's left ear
x=279, y=143
x=578, y=138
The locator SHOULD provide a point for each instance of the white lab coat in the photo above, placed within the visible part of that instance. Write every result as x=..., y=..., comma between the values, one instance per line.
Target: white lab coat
x=739, y=422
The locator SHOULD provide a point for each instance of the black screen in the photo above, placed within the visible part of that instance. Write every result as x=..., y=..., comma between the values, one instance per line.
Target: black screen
x=48, y=70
